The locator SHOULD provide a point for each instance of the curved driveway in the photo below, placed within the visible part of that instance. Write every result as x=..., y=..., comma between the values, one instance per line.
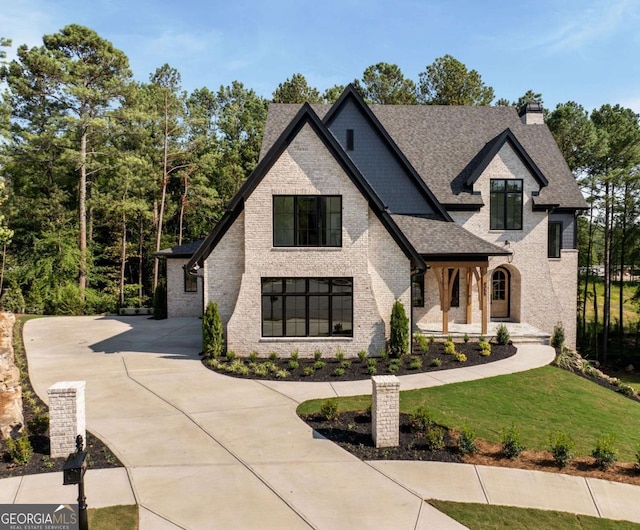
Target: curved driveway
x=207, y=451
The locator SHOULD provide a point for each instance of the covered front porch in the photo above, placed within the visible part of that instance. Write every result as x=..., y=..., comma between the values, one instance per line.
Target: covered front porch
x=520, y=332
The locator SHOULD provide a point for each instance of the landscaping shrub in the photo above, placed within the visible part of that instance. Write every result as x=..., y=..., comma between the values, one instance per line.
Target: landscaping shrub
x=449, y=347
x=394, y=368
x=399, y=333
x=20, y=450
x=465, y=338
x=502, y=335
x=557, y=339
x=362, y=355
x=467, y=440
x=434, y=439
x=423, y=344
x=485, y=349
x=293, y=364
x=273, y=356
x=339, y=371
x=561, y=444
x=212, y=338
x=339, y=355
x=308, y=370
x=295, y=355
x=260, y=370
x=253, y=356
x=329, y=409
x=436, y=362
x=460, y=357
x=415, y=363
x=317, y=355
x=319, y=365
x=511, y=444
x=13, y=301
x=39, y=424
x=605, y=454
x=281, y=374
x=160, y=302
x=230, y=355
x=421, y=420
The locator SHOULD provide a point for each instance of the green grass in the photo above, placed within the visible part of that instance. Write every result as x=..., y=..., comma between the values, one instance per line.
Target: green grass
x=537, y=402
x=483, y=516
x=113, y=518
x=629, y=309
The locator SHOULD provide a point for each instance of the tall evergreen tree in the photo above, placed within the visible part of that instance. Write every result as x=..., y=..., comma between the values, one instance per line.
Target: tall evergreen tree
x=448, y=82
x=384, y=83
x=296, y=90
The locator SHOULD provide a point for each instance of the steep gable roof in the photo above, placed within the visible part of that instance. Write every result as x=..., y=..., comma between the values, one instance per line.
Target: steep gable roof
x=305, y=116
x=491, y=150
x=445, y=143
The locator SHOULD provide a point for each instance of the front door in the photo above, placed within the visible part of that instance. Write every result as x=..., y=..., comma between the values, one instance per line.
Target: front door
x=500, y=293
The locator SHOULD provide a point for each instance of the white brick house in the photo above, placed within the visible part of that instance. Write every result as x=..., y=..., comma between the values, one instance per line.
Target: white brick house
x=465, y=214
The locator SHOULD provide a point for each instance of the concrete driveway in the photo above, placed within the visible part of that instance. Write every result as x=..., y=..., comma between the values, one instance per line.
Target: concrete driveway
x=207, y=451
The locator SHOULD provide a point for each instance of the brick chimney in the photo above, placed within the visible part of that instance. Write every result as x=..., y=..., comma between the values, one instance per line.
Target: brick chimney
x=531, y=113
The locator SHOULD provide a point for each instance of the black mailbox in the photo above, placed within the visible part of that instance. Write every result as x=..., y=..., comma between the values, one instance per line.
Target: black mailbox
x=74, y=468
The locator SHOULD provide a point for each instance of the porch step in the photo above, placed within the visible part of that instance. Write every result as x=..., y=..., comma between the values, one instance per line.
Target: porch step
x=518, y=333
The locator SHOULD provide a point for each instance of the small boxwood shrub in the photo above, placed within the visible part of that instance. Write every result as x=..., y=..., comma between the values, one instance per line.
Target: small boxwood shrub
x=467, y=440
x=449, y=347
x=421, y=420
x=329, y=409
x=605, y=453
x=339, y=371
x=20, y=450
x=561, y=446
x=434, y=439
x=415, y=363
x=511, y=445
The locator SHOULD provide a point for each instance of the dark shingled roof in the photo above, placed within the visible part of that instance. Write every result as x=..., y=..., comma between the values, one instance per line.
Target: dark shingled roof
x=446, y=143
x=432, y=238
x=181, y=251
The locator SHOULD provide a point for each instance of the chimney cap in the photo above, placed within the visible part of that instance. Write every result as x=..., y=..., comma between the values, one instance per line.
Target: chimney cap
x=532, y=106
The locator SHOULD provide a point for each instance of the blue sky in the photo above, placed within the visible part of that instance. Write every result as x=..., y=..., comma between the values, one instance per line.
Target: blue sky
x=581, y=50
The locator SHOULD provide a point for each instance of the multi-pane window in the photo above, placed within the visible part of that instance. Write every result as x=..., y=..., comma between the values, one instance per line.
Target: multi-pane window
x=190, y=283
x=307, y=221
x=555, y=239
x=506, y=204
x=307, y=307
x=499, y=286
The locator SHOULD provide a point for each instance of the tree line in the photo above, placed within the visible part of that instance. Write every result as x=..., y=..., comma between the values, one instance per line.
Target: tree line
x=100, y=171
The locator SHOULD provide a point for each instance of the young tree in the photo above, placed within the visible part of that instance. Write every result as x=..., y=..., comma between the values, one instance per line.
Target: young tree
x=448, y=82
x=384, y=83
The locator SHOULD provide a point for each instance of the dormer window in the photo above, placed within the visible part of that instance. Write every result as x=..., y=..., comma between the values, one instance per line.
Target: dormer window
x=307, y=221
x=506, y=204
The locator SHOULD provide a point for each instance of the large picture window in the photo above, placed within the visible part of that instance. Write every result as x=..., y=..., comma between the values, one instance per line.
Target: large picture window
x=506, y=204
x=555, y=239
x=307, y=221
x=307, y=307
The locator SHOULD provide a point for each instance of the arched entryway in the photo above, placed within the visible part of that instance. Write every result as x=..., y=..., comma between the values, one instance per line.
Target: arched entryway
x=500, y=293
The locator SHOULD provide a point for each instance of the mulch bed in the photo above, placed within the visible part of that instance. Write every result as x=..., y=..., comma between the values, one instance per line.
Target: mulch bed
x=352, y=432
x=357, y=369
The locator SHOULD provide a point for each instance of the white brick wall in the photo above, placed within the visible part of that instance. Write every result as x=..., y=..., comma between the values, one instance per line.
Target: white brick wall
x=66, y=416
x=380, y=271
x=385, y=410
x=179, y=302
x=543, y=290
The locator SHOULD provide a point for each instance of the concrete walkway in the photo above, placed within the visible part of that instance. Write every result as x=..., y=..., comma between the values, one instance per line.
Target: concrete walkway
x=203, y=450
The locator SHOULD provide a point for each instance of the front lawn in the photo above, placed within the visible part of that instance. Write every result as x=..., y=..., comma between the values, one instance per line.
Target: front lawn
x=537, y=402
x=482, y=516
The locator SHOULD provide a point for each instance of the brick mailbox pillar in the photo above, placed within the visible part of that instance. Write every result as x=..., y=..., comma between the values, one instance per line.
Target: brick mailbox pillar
x=66, y=416
x=385, y=410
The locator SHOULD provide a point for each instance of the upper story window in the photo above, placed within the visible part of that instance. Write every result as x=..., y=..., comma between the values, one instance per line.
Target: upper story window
x=307, y=221
x=555, y=239
x=349, y=139
x=506, y=204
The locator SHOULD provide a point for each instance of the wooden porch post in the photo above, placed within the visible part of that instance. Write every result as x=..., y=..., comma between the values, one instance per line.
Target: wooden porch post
x=485, y=297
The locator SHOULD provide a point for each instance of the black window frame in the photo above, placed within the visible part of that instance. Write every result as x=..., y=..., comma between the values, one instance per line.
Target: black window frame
x=350, y=140
x=322, y=219
x=502, y=196
x=293, y=290
x=190, y=282
x=417, y=290
x=554, y=250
